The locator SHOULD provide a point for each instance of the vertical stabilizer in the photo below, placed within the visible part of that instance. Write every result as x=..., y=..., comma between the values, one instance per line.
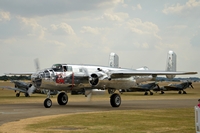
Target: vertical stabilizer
x=113, y=60
x=171, y=63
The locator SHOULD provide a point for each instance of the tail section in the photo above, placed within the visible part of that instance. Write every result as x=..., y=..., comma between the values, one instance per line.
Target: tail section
x=171, y=63
x=113, y=60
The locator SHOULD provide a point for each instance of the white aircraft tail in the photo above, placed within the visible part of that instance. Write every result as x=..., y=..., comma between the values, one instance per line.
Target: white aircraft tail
x=171, y=63
x=113, y=60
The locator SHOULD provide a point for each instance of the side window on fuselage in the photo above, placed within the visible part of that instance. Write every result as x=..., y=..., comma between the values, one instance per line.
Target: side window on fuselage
x=67, y=68
x=64, y=68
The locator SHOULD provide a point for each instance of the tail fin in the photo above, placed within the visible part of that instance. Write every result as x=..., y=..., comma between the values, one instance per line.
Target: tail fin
x=171, y=63
x=113, y=60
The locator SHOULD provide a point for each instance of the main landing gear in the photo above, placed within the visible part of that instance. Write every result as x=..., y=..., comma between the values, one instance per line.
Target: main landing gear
x=184, y=92
x=17, y=94
x=115, y=100
x=146, y=93
x=62, y=99
x=25, y=94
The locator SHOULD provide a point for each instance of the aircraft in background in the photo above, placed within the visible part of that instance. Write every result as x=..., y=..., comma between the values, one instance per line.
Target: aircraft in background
x=175, y=87
x=142, y=88
x=66, y=78
x=27, y=88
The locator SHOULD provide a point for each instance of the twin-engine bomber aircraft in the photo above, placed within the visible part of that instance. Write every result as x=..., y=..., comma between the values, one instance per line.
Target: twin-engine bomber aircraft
x=81, y=78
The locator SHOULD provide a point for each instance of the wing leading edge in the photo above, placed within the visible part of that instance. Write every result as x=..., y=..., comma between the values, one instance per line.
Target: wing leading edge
x=127, y=74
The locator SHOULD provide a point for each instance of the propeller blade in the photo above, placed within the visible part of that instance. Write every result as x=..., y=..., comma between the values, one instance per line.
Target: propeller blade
x=192, y=86
x=158, y=86
x=37, y=66
x=89, y=97
x=31, y=89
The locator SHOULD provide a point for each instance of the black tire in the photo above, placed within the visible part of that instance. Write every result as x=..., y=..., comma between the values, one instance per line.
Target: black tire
x=26, y=95
x=62, y=98
x=115, y=100
x=47, y=103
x=17, y=94
x=151, y=93
x=146, y=93
x=179, y=92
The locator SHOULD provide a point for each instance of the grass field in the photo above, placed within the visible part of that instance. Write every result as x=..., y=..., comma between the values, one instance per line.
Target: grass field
x=136, y=121
x=143, y=121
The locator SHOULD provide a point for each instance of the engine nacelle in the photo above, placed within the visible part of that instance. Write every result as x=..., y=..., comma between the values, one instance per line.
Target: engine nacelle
x=170, y=76
x=94, y=79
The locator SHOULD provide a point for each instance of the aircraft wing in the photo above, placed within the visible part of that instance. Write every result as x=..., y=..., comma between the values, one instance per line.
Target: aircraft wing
x=139, y=88
x=21, y=73
x=127, y=74
x=171, y=88
x=11, y=88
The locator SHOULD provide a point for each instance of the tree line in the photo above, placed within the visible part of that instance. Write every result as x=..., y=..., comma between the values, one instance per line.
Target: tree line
x=5, y=78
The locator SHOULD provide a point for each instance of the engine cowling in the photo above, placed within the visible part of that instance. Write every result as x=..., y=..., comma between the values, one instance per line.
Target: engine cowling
x=170, y=76
x=94, y=79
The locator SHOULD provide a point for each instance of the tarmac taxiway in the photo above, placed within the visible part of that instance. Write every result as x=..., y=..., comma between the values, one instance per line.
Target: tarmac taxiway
x=15, y=112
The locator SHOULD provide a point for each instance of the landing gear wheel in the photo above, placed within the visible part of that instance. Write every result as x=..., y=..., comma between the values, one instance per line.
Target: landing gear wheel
x=146, y=93
x=179, y=92
x=62, y=98
x=47, y=103
x=151, y=93
x=184, y=92
x=115, y=100
x=26, y=95
x=17, y=94
x=162, y=92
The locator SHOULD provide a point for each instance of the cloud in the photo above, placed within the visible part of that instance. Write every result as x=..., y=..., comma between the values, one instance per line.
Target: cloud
x=88, y=29
x=175, y=27
x=63, y=27
x=178, y=8
x=33, y=27
x=139, y=7
x=137, y=26
x=4, y=16
x=142, y=35
x=115, y=16
x=195, y=40
x=32, y=8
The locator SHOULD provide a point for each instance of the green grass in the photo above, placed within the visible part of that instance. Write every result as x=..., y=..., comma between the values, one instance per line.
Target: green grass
x=134, y=121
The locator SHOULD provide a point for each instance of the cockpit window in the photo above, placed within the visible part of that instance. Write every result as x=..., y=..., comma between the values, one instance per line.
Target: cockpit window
x=57, y=68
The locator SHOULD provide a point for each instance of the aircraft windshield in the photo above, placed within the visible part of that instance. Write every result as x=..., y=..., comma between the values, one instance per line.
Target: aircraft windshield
x=57, y=68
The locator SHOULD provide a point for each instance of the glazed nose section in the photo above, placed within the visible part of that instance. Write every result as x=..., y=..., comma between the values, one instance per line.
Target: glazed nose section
x=37, y=79
x=46, y=74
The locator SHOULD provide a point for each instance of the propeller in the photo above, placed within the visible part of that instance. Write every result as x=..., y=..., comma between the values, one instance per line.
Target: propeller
x=94, y=79
x=37, y=66
x=89, y=97
x=31, y=89
x=190, y=85
x=157, y=87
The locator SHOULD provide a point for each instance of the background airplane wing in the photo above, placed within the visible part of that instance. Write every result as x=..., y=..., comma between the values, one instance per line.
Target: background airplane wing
x=21, y=73
x=11, y=88
x=126, y=74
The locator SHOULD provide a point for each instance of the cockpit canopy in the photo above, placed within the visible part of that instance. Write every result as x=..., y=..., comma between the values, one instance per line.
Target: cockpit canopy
x=57, y=68
x=61, y=68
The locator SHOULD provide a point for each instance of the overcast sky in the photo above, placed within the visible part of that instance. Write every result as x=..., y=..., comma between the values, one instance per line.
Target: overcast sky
x=86, y=31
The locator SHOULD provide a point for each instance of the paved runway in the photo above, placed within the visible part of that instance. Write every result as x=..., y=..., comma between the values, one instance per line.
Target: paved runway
x=15, y=112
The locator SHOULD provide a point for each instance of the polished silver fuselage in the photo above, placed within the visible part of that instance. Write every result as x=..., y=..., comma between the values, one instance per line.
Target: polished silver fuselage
x=79, y=77
x=67, y=77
